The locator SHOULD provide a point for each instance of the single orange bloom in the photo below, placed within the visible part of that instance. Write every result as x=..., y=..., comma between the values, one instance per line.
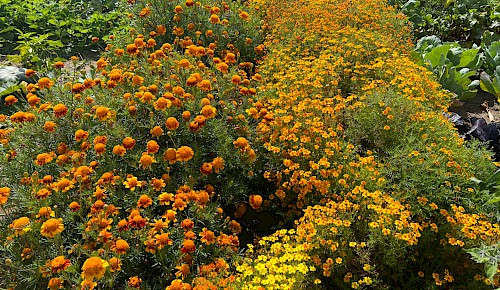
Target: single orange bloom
x=206, y=168
x=172, y=123
x=255, y=201
x=52, y=227
x=184, y=153
x=144, y=201
x=60, y=110
x=152, y=146
x=59, y=264
x=128, y=143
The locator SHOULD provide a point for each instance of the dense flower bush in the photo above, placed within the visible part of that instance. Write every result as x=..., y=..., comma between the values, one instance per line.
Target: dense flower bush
x=194, y=135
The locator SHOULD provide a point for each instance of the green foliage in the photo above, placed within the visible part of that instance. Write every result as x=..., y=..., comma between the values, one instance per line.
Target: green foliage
x=463, y=21
x=32, y=31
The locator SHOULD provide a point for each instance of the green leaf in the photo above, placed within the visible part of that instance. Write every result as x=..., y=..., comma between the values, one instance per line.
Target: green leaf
x=470, y=59
x=491, y=86
x=437, y=56
x=491, y=269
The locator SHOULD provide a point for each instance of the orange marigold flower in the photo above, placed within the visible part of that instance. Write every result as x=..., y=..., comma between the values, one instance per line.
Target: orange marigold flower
x=255, y=201
x=162, y=103
x=55, y=283
x=59, y=264
x=208, y=111
x=115, y=264
x=205, y=85
x=43, y=193
x=235, y=227
x=81, y=135
x=128, y=143
x=134, y=282
x=29, y=73
x=144, y=201
x=161, y=29
x=64, y=184
x=170, y=155
x=218, y=164
x=157, y=184
x=60, y=110
x=179, y=204
x=184, y=153
x=207, y=237
x=186, y=115
x=206, y=168
x=188, y=246
x=45, y=83
x=132, y=183
x=4, y=195
x=120, y=247
x=43, y=158
x=187, y=224
x=74, y=206
x=49, y=126
x=162, y=240
x=157, y=131
x=145, y=12
x=146, y=161
x=152, y=146
x=241, y=143
x=171, y=123
x=102, y=113
x=244, y=15
x=10, y=100
x=214, y=19
x=33, y=99
x=94, y=267
x=77, y=88
x=222, y=67
x=165, y=198
x=88, y=285
x=52, y=227
x=99, y=148
x=137, y=80
x=20, y=226
x=132, y=49
x=184, y=63
x=119, y=150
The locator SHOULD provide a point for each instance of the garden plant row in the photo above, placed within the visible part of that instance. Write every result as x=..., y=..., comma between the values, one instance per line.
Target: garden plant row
x=261, y=145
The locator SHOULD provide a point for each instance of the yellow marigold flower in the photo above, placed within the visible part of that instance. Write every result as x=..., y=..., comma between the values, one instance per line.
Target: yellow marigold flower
x=20, y=226
x=94, y=267
x=52, y=227
x=207, y=236
x=184, y=153
x=244, y=15
x=338, y=260
x=134, y=282
x=241, y=143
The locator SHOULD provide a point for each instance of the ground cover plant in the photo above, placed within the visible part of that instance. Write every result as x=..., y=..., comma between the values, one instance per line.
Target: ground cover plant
x=300, y=128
